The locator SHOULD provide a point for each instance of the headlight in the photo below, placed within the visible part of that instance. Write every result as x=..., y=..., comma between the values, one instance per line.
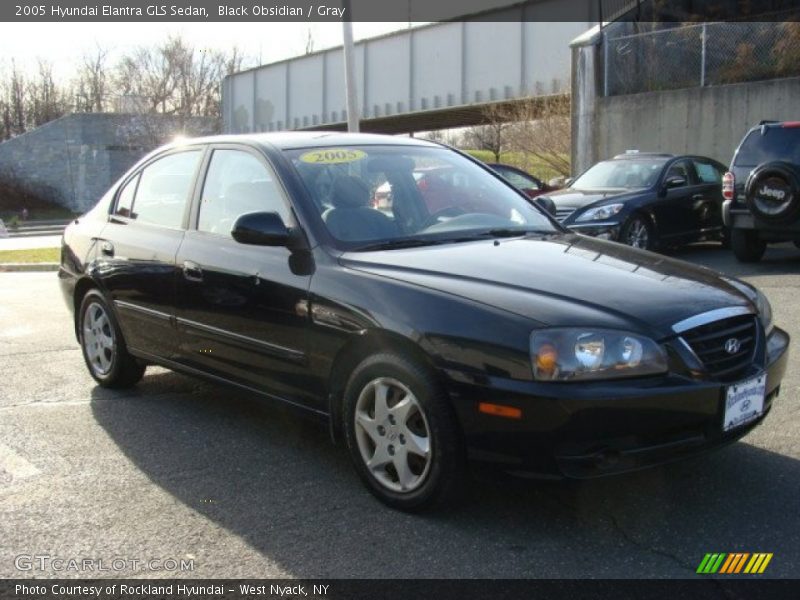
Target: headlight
x=584, y=354
x=600, y=213
x=764, y=311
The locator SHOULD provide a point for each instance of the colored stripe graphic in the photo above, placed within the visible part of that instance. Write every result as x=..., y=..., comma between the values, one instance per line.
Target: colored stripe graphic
x=729, y=564
x=711, y=563
x=703, y=563
x=734, y=563
x=741, y=562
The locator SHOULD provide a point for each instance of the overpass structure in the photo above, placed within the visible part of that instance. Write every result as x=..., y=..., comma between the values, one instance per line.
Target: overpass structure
x=432, y=77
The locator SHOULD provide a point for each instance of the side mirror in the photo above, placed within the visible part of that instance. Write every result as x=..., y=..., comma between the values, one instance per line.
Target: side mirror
x=546, y=203
x=674, y=181
x=261, y=229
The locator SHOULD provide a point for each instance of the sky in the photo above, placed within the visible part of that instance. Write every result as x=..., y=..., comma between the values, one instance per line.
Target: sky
x=64, y=44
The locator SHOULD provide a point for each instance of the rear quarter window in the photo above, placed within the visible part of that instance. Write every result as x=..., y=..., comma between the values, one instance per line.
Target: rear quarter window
x=776, y=143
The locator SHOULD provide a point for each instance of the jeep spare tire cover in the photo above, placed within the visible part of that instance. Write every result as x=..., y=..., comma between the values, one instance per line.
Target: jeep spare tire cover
x=773, y=192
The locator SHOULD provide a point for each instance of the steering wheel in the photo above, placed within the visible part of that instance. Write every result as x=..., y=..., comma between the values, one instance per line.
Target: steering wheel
x=450, y=211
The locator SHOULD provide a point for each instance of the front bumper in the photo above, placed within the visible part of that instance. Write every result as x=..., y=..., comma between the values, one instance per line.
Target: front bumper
x=603, y=230
x=581, y=430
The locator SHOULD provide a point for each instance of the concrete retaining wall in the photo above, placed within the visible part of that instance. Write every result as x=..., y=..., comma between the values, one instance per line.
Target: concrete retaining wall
x=73, y=160
x=709, y=121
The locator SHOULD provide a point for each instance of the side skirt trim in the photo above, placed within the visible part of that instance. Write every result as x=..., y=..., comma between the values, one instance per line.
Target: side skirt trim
x=176, y=366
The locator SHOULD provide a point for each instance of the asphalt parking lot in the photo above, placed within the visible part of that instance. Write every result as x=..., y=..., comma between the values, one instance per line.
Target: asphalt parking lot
x=185, y=470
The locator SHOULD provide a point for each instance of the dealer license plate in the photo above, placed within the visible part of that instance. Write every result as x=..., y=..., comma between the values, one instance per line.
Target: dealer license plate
x=744, y=402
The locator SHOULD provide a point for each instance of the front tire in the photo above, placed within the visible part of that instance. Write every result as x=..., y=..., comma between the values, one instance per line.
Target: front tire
x=637, y=232
x=747, y=247
x=103, y=346
x=402, y=434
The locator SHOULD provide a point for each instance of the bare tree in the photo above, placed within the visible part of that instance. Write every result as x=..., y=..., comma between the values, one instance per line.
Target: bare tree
x=175, y=78
x=493, y=136
x=540, y=129
x=17, y=99
x=150, y=73
x=46, y=100
x=92, y=85
x=172, y=78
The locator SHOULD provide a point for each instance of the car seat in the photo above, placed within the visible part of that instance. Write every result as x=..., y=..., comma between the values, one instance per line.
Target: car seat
x=351, y=218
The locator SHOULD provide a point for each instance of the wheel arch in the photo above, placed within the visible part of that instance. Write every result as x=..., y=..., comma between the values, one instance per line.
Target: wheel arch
x=82, y=287
x=350, y=356
x=646, y=213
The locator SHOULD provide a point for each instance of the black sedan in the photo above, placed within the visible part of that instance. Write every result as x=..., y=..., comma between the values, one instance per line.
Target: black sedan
x=456, y=324
x=646, y=200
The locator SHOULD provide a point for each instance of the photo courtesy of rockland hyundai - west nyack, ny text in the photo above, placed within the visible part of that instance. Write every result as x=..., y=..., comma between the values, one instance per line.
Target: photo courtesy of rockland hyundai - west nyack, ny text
x=377, y=299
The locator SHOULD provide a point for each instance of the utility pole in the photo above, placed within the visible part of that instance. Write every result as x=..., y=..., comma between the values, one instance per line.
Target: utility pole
x=350, y=70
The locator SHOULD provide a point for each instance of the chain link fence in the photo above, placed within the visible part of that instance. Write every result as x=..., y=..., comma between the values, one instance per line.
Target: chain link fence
x=700, y=55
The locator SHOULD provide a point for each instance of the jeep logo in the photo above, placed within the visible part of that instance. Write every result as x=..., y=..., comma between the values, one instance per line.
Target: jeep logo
x=768, y=192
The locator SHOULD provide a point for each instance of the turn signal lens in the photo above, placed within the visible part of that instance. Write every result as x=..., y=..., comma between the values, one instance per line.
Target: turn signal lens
x=500, y=410
x=546, y=361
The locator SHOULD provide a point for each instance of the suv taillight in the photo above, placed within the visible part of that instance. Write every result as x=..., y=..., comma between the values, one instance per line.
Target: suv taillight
x=728, y=183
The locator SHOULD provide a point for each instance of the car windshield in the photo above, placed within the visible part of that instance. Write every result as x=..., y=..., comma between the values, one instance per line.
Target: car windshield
x=373, y=197
x=621, y=173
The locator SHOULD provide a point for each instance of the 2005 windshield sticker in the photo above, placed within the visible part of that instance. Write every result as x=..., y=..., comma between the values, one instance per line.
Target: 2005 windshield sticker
x=332, y=156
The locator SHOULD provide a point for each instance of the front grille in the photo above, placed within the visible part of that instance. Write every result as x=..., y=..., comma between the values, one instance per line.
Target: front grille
x=709, y=344
x=563, y=213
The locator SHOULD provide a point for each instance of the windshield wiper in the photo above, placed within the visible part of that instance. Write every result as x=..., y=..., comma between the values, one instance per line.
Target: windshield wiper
x=400, y=243
x=500, y=232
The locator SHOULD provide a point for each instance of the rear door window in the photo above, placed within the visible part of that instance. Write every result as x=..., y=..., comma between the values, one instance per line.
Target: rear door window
x=776, y=143
x=164, y=188
x=683, y=169
x=125, y=199
x=518, y=180
x=707, y=172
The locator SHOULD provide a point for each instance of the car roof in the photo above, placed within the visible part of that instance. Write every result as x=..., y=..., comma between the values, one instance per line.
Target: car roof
x=767, y=123
x=637, y=154
x=763, y=125
x=288, y=140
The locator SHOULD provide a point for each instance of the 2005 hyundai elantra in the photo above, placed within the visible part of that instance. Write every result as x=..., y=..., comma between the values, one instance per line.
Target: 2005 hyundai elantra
x=458, y=323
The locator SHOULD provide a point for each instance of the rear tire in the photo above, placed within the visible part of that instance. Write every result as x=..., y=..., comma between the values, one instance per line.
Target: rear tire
x=747, y=246
x=402, y=433
x=103, y=345
x=725, y=238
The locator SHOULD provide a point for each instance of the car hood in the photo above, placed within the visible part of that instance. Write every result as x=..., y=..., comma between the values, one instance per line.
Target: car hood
x=574, y=199
x=562, y=280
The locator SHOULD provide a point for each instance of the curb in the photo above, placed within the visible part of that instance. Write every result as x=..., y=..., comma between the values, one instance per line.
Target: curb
x=30, y=267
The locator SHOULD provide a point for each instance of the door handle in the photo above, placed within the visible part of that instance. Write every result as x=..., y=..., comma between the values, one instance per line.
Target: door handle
x=192, y=271
x=698, y=197
x=107, y=248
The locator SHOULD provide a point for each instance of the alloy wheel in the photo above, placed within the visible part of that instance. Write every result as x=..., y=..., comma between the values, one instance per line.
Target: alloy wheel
x=638, y=234
x=99, y=341
x=393, y=435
